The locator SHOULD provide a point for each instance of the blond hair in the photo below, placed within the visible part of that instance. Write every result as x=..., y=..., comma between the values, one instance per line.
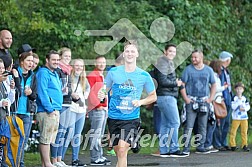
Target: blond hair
x=63, y=50
x=82, y=75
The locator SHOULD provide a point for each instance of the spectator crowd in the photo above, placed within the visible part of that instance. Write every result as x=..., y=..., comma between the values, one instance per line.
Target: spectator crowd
x=59, y=95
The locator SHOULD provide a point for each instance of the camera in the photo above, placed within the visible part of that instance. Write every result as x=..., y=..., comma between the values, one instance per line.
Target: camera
x=5, y=73
x=203, y=107
x=195, y=106
x=211, y=118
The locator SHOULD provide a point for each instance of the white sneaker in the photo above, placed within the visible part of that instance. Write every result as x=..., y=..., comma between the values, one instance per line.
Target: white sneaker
x=98, y=162
x=63, y=164
x=211, y=149
x=58, y=164
x=107, y=162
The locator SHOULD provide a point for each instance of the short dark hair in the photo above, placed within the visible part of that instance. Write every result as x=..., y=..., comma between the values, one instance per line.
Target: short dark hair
x=48, y=55
x=7, y=60
x=197, y=51
x=130, y=42
x=239, y=84
x=170, y=45
x=99, y=56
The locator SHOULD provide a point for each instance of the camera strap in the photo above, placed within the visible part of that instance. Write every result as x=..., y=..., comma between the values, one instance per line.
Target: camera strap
x=3, y=90
x=77, y=84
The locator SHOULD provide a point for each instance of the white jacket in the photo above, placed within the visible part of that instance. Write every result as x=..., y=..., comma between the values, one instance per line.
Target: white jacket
x=83, y=95
x=236, y=104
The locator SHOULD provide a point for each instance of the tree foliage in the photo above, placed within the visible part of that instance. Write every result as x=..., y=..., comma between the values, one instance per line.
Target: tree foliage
x=210, y=25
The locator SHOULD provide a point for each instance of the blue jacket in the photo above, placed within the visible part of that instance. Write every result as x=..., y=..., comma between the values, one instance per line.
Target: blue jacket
x=226, y=94
x=50, y=96
x=22, y=99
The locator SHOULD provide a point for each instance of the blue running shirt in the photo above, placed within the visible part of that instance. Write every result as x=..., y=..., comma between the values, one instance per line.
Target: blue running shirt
x=126, y=87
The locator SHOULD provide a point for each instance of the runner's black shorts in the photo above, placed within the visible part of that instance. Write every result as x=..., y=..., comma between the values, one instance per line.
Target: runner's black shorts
x=126, y=130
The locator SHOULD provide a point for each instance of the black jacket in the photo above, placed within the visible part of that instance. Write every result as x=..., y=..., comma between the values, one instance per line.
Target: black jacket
x=3, y=52
x=67, y=99
x=165, y=75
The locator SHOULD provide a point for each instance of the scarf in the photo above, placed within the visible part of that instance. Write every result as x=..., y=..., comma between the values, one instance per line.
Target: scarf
x=66, y=68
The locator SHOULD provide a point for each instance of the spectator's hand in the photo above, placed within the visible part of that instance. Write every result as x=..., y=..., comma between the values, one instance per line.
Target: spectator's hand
x=179, y=82
x=27, y=91
x=15, y=72
x=54, y=113
x=136, y=103
x=188, y=100
x=208, y=100
x=75, y=96
x=101, y=94
x=5, y=103
x=12, y=84
x=225, y=85
x=81, y=103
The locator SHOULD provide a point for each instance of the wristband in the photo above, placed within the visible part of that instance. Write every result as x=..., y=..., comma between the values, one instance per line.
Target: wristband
x=181, y=87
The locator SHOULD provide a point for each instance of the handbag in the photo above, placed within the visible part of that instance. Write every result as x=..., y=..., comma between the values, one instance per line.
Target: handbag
x=77, y=105
x=220, y=109
x=32, y=106
x=3, y=113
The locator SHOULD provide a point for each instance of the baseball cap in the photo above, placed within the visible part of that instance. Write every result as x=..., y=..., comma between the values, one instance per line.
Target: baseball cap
x=25, y=48
x=224, y=54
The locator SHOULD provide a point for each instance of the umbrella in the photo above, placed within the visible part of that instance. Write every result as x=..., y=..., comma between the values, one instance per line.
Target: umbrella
x=14, y=144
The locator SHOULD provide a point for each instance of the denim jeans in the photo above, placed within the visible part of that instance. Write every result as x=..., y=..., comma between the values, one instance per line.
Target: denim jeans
x=209, y=134
x=170, y=121
x=221, y=131
x=191, y=115
x=73, y=134
x=57, y=147
x=98, y=120
x=156, y=119
x=27, y=121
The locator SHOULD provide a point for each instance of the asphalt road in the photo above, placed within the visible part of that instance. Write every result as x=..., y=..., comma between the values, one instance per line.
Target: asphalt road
x=219, y=159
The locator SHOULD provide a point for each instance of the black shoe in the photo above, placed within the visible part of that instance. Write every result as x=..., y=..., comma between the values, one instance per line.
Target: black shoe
x=178, y=154
x=98, y=162
x=202, y=151
x=77, y=162
x=165, y=155
x=234, y=148
x=136, y=147
x=246, y=149
x=225, y=148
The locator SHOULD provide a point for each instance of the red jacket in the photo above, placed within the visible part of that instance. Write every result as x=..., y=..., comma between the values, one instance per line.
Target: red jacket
x=96, y=82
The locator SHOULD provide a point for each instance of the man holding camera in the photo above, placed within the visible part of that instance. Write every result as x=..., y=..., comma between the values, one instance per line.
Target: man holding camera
x=197, y=95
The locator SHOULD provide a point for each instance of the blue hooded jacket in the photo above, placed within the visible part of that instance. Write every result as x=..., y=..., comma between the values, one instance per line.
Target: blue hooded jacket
x=226, y=94
x=49, y=91
x=22, y=100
